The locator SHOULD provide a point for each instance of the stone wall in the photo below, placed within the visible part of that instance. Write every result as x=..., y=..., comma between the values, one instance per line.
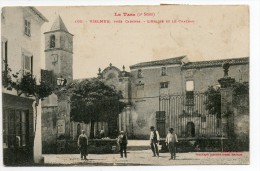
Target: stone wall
x=241, y=122
x=143, y=117
x=49, y=129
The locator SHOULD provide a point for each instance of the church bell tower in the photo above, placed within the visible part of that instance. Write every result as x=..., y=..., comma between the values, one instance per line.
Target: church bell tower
x=56, y=108
x=59, y=50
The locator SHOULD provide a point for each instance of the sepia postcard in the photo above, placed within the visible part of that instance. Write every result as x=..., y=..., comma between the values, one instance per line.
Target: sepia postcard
x=143, y=85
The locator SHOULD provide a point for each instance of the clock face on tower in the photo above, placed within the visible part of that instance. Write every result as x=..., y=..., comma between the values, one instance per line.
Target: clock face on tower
x=54, y=59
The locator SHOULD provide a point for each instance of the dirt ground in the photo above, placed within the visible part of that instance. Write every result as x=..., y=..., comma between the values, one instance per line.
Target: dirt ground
x=139, y=153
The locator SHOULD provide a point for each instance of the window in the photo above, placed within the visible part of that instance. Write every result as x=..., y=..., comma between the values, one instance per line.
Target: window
x=163, y=71
x=189, y=93
x=164, y=84
x=203, y=119
x=52, y=41
x=140, y=89
x=189, y=85
x=4, y=55
x=47, y=76
x=15, y=130
x=189, y=98
x=27, y=63
x=27, y=27
x=140, y=73
x=160, y=115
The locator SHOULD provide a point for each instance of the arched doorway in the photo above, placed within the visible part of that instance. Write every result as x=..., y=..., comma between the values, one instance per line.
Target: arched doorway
x=190, y=131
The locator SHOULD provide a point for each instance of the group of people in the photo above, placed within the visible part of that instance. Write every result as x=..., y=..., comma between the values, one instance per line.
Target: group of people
x=171, y=140
x=122, y=140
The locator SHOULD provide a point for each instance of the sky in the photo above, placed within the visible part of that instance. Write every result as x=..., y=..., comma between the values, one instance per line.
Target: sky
x=213, y=32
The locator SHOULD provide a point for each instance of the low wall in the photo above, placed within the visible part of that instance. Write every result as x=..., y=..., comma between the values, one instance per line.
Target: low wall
x=96, y=146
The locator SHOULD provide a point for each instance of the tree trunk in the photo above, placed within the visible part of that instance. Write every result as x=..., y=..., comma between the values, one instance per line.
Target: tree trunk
x=92, y=125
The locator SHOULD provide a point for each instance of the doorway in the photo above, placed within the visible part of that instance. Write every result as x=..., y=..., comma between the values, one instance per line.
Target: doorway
x=160, y=123
x=190, y=132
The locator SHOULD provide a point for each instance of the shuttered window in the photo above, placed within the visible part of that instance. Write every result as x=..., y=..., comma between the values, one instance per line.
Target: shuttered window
x=27, y=27
x=27, y=63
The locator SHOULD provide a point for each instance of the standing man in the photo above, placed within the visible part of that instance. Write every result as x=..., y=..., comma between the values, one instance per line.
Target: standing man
x=83, y=145
x=122, y=141
x=171, y=140
x=154, y=138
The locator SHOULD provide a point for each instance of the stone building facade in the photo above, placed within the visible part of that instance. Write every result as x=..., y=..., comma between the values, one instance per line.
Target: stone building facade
x=121, y=81
x=176, y=77
x=20, y=43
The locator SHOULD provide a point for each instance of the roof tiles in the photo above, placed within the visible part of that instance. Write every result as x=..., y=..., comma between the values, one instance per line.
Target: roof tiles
x=216, y=63
x=59, y=25
x=176, y=60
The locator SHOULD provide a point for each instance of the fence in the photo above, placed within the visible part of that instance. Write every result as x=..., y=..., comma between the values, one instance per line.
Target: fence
x=187, y=114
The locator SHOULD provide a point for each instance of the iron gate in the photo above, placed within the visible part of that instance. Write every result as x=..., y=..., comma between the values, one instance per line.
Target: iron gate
x=160, y=123
x=187, y=114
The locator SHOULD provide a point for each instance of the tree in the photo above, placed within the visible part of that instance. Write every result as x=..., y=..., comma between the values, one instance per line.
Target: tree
x=25, y=83
x=213, y=102
x=93, y=101
x=240, y=88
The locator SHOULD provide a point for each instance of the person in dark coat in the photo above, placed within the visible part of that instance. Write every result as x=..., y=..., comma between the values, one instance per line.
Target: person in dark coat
x=83, y=145
x=122, y=141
